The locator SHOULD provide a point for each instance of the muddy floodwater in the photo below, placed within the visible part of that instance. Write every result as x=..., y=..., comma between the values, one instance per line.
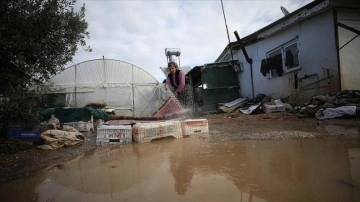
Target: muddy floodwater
x=196, y=169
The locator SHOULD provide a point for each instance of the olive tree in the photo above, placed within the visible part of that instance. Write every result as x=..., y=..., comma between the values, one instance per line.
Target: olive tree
x=37, y=39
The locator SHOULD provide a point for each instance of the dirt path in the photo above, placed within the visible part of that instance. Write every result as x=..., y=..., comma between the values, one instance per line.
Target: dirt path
x=222, y=128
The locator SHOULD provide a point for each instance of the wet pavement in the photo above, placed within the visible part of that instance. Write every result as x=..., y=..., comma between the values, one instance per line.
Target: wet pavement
x=196, y=169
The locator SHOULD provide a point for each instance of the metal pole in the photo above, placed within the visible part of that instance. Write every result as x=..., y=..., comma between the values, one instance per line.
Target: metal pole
x=227, y=30
x=132, y=89
x=75, y=85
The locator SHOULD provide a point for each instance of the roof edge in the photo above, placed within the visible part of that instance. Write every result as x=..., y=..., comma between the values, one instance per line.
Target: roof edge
x=303, y=13
x=111, y=60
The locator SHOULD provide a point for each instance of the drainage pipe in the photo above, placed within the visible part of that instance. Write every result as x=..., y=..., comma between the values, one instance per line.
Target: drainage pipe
x=249, y=60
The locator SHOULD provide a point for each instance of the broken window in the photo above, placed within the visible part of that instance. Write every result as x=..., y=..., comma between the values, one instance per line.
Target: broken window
x=283, y=59
x=291, y=57
x=275, y=63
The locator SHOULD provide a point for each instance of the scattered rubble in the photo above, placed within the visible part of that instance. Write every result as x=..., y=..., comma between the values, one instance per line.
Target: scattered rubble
x=345, y=103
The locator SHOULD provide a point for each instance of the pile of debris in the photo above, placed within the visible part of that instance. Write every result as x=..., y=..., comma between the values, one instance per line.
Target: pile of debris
x=345, y=103
x=261, y=104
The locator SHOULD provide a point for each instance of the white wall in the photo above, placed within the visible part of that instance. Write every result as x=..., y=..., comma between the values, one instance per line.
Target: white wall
x=317, y=50
x=349, y=54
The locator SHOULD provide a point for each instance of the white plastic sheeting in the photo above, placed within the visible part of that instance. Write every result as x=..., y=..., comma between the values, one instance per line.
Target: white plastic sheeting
x=330, y=113
x=123, y=86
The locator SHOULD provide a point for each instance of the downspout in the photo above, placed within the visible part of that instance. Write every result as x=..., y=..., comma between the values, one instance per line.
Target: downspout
x=249, y=60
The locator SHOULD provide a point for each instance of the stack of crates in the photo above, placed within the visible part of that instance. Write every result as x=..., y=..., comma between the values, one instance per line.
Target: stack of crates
x=145, y=132
x=171, y=106
x=120, y=134
x=194, y=126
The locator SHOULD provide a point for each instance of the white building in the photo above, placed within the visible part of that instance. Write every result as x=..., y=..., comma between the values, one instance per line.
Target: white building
x=312, y=51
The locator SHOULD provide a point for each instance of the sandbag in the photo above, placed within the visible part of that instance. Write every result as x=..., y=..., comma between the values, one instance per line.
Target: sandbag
x=60, y=138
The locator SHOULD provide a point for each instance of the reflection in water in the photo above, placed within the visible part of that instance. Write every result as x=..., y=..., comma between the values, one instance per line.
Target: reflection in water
x=182, y=173
x=192, y=169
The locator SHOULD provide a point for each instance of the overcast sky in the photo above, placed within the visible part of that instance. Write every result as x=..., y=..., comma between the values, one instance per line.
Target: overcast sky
x=138, y=31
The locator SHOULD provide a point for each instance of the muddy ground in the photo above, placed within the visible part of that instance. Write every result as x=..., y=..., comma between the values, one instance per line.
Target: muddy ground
x=19, y=160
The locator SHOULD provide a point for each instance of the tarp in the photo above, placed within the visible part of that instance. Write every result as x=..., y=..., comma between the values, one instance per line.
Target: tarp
x=330, y=113
x=66, y=115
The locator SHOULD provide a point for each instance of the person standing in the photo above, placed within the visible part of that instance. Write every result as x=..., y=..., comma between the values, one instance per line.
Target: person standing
x=175, y=79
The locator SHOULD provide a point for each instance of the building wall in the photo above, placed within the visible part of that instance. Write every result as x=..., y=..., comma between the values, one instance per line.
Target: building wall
x=349, y=53
x=317, y=54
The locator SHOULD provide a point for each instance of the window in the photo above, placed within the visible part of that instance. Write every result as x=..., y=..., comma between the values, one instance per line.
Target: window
x=283, y=59
x=291, y=57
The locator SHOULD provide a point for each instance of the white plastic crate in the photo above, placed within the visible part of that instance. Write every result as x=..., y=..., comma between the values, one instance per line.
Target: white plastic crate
x=121, y=134
x=145, y=132
x=81, y=126
x=278, y=106
x=171, y=128
x=194, y=126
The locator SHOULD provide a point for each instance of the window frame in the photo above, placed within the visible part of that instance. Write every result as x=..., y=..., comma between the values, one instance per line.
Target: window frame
x=282, y=49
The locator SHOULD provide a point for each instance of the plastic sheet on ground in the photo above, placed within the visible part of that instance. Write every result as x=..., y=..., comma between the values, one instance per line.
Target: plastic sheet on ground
x=250, y=110
x=231, y=106
x=330, y=113
x=318, y=105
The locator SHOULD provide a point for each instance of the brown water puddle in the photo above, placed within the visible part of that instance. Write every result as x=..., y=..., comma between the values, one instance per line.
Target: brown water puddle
x=348, y=130
x=192, y=169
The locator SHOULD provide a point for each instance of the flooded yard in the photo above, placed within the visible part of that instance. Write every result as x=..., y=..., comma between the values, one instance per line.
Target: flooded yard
x=198, y=169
